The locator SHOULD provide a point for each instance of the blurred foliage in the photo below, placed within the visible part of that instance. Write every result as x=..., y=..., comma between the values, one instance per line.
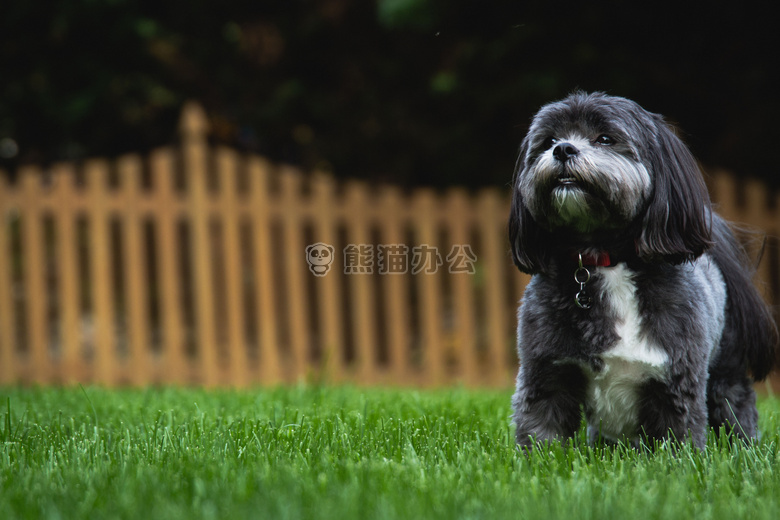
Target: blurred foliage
x=412, y=91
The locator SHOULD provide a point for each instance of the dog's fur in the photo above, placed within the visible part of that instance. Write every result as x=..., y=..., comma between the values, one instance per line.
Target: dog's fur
x=676, y=333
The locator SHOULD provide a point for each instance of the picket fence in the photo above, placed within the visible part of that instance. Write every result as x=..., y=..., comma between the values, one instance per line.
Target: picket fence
x=198, y=265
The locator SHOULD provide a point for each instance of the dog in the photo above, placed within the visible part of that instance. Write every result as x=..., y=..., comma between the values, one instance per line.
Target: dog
x=640, y=311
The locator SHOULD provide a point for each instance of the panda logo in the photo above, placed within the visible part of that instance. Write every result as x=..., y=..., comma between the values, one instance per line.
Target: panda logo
x=319, y=256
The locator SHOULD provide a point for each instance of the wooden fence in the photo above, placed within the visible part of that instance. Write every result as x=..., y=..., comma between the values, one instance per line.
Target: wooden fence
x=192, y=266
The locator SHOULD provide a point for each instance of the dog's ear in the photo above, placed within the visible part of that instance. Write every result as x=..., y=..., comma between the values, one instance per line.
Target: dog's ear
x=677, y=223
x=530, y=243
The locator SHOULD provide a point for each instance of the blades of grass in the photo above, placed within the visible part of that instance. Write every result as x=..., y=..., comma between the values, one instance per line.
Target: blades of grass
x=8, y=432
x=94, y=412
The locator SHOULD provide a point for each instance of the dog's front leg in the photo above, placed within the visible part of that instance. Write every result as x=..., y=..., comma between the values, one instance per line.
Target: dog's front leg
x=678, y=412
x=548, y=401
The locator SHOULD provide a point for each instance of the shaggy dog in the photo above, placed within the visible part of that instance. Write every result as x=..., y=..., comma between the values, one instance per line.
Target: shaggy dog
x=641, y=311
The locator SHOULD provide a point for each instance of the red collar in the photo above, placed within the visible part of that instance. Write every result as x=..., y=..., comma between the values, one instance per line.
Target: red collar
x=598, y=259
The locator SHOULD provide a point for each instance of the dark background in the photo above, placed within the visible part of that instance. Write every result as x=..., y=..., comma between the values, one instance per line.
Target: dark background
x=415, y=92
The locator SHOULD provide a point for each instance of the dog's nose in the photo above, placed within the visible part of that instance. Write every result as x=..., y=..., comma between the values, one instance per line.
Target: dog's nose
x=565, y=151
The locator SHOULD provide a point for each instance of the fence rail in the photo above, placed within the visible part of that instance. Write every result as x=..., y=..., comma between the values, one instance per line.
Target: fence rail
x=190, y=266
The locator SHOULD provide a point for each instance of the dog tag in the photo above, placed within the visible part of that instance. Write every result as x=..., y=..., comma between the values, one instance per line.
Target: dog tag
x=582, y=276
x=583, y=299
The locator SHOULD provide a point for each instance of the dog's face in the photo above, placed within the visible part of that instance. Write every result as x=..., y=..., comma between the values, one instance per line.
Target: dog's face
x=582, y=168
x=594, y=165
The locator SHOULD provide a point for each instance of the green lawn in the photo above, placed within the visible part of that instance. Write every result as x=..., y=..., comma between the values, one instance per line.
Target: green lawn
x=346, y=453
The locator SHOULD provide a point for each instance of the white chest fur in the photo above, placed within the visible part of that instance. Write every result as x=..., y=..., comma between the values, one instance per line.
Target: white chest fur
x=613, y=391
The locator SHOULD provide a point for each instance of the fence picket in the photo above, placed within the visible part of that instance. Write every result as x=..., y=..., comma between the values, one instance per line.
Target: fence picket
x=265, y=287
x=196, y=161
x=464, y=331
x=167, y=258
x=297, y=297
x=360, y=283
x=395, y=287
x=100, y=261
x=491, y=228
x=428, y=286
x=227, y=168
x=69, y=296
x=135, y=275
x=8, y=361
x=329, y=297
x=724, y=192
x=757, y=214
x=34, y=274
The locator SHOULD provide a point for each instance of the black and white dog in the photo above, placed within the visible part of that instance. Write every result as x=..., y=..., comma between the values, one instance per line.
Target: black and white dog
x=641, y=310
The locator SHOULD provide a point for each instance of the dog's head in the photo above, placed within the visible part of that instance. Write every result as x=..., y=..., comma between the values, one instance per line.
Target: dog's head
x=601, y=168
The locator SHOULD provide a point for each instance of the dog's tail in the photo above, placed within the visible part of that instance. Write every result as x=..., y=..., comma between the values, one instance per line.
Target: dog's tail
x=750, y=333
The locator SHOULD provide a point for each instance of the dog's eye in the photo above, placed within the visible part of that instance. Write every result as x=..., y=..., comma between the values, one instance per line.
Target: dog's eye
x=605, y=140
x=549, y=142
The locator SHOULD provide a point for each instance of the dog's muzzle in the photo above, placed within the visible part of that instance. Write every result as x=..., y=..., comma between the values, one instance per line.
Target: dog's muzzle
x=565, y=151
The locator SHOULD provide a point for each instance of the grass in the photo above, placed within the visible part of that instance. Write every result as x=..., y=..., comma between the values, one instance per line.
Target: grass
x=344, y=453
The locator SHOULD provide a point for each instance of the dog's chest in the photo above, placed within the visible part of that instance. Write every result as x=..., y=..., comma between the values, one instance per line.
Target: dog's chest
x=614, y=388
